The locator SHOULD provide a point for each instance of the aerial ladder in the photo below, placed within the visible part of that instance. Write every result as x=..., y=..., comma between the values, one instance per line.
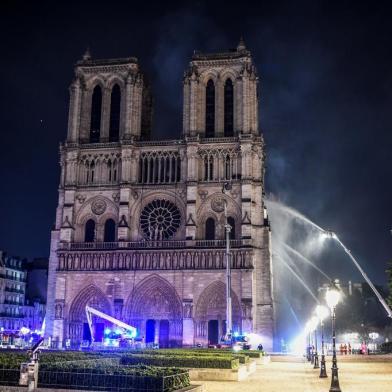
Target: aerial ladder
x=131, y=331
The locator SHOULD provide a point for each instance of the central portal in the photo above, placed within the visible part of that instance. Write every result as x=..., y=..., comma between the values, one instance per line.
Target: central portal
x=213, y=332
x=164, y=333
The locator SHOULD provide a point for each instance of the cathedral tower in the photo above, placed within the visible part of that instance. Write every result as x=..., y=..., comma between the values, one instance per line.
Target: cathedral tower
x=140, y=223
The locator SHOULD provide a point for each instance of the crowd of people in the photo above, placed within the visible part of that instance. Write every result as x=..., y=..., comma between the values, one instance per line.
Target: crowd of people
x=347, y=349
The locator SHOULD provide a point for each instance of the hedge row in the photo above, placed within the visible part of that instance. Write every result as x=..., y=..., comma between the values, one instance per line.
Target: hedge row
x=12, y=360
x=184, y=361
x=107, y=375
x=198, y=354
x=64, y=356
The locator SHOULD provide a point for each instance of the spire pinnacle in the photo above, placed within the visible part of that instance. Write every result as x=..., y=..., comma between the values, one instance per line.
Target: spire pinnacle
x=241, y=45
x=87, y=55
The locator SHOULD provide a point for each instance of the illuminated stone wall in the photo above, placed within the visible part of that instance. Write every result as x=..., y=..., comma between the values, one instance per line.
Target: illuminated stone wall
x=159, y=264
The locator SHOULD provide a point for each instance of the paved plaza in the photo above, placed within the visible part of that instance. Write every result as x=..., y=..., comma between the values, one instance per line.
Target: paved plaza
x=291, y=374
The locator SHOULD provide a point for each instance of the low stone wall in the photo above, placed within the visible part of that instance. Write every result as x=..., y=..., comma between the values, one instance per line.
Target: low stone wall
x=208, y=374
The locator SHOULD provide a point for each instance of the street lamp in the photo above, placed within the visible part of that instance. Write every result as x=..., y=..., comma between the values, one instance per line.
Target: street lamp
x=322, y=313
x=314, y=322
x=308, y=334
x=229, y=326
x=332, y=297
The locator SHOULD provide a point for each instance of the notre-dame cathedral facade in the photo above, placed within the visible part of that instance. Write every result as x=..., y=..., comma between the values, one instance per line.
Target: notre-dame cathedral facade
x=139, y=230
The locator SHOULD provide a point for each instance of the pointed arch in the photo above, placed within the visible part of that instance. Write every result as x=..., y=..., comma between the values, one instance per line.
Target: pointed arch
x=210, y=229
x=89, y=231
x=210, y=109
x=96, y=109
x=92, y=296
x=211, y=304
x=109, y=231
x=231, y=222
x=154, y=297
x=228, y=108
x=115, y=110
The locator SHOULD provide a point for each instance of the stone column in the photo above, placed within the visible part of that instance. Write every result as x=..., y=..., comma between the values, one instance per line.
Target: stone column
x=186, y=106
x=128, y=107
x=105, y=115
x=136, y=105
x=194, y=82
x=219, y=108
x=191, y=195
x=74, y=111
x=238, y=106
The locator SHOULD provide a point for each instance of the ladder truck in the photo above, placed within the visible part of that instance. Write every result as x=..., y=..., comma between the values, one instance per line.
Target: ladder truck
x=125, y=328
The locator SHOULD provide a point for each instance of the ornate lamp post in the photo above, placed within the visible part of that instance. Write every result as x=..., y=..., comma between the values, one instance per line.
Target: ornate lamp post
x=229, y=326
x=308, y=344
x=322, y=313
x=313, y=329
x=332, y=297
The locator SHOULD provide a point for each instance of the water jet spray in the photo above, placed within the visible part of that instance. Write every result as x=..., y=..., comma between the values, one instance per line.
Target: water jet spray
x=331, y=234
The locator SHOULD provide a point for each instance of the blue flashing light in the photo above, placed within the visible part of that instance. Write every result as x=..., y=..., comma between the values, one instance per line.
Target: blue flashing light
x=118, y=331
x=236, y=334
x=107, y=331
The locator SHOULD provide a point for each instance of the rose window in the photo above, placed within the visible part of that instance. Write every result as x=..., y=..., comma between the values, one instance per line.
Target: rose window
x=160, y=220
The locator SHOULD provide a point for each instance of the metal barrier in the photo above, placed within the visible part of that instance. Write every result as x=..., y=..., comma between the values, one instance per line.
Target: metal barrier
x=92, y=380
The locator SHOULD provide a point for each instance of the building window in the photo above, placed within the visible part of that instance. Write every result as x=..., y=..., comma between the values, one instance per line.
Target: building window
x=89, y=232
x=210, y=109
x=229, y=108
x=96, y=108
x=110, y=231
x=115, y=105
x=231, y=222
x=208, y=168
x=210, y=229
x=228, y=167
x=159, y=168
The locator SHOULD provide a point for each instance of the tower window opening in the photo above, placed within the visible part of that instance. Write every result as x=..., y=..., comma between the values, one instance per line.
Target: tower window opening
x=110, y=231
x=228, y=168
x=92, y=170
x=115, y=108
x=210, y=229
x=96, y=108
x=110, y=170
x=228, y=108
x=231, y=222
x=89, y=231
x=210, y=109
x=208, y=168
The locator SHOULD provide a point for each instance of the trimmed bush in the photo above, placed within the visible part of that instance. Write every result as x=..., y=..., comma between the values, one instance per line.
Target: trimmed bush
x=106, y=375
x=184, y=361
x=242, y=357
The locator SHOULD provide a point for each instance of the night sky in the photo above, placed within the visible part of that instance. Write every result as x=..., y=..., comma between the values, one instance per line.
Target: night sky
x=325, y=110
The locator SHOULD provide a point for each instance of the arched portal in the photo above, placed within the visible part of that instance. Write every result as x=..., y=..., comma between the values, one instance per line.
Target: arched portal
x=155, y=302
x=210, y=313
x=78, y=326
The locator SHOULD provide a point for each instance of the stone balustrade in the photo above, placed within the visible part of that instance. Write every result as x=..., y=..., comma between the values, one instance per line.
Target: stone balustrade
x=152, y=259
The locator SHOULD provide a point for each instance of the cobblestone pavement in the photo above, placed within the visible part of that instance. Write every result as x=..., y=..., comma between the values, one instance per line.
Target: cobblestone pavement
x=293, y=374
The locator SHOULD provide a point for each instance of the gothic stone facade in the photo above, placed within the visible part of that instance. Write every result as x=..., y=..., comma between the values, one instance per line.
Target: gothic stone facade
x=139, y=228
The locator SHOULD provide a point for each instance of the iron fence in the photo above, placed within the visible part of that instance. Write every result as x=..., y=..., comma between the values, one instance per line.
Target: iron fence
x=86, y=379
x=9, y=376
